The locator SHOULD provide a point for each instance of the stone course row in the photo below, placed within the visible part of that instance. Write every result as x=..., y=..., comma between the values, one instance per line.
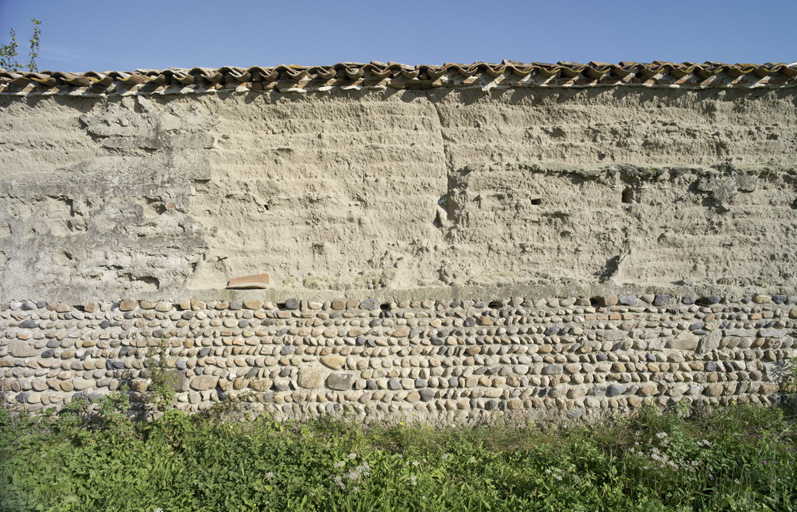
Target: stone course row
x=443, y=361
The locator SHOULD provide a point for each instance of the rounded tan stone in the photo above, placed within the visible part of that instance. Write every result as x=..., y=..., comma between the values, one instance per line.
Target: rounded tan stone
x=22, y=349
x=204, y=382
x=493, y=392
x=310, y=378
x=714, y=389
x=333, y=361
x=128, y=305
x=139, y=385
x=253, y=304
x=648, y=389
x=634, y=401
x=684, y=341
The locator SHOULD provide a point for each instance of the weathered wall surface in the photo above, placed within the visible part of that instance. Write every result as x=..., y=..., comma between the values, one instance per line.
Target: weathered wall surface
x=375, y=190
x=117, y=209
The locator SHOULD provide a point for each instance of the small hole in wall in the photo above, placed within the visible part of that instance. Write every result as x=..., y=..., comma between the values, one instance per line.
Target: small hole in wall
x=628, y=196
x=536, y=201
x=794, y=205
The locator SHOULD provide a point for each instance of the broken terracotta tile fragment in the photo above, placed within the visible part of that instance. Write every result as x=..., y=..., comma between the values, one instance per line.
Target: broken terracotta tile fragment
x=257, y=281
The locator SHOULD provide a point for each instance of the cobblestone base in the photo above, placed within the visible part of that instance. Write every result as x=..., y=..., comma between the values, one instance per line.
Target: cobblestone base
x=441, y=361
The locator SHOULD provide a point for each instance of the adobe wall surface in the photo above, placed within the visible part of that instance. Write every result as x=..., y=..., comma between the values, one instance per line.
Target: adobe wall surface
x=444, y=207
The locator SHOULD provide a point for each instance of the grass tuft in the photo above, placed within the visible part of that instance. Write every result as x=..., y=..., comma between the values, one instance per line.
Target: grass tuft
x=90, y=457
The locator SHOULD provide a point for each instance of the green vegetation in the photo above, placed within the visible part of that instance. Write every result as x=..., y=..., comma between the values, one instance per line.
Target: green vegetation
x=101, y=457
x=8, y=52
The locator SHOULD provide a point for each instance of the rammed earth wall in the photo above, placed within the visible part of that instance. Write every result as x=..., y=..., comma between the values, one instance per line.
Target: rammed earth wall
x=445, y=241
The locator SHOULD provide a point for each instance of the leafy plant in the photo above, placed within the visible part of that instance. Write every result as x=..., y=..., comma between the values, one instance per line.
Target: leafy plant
x=789, y=386
x=740, y=457
x=160, y=391
x=8, y=52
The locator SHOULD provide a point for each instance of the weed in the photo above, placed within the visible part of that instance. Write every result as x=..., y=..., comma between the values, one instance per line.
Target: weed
x=160, y=394
x=98, y=457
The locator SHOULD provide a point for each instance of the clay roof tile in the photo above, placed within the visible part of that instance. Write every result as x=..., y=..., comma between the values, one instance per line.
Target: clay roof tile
x=509, y=73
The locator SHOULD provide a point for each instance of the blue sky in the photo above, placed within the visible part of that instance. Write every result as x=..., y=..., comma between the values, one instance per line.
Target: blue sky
x=115, y=35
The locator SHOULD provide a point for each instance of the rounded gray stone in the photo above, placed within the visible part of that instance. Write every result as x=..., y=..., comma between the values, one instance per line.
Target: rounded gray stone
x=426, y=394
x=369, y=304
x=661, y=300
x=340, y=381
x=553, y=369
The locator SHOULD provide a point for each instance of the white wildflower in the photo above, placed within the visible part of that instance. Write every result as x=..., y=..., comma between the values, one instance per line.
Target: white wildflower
x=269, y=475
x=352, y=455
x=339, y=482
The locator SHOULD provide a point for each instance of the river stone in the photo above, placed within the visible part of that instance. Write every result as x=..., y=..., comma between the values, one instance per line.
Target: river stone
x=177, y=380
x=310, y=378
x=614, y=390
x=340, y=381
x=394, y=384
x=710, y=341
x=261, y=385
x=772, y=333
x=334, y=362
x=369, y=304
x=553, y=369
x=684, y=341
x=611, y=335
x=661, y=300
x=81, y=384
x=18, y=348
x=128, y=305
x=204, y=382
x=713, y=389
x=426, y=394
x=292, y=304
x=649, y=389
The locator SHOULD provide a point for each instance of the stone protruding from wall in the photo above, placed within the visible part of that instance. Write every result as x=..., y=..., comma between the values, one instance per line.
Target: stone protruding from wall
x=444, y=361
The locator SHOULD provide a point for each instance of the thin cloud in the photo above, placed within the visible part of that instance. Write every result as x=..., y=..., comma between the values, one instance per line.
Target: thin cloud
x=72, y=56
